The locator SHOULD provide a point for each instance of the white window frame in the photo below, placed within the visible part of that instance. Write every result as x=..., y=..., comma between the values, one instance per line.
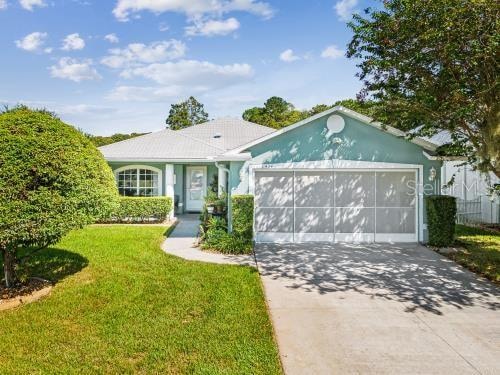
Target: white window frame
x=347, y=166
x=139, y=166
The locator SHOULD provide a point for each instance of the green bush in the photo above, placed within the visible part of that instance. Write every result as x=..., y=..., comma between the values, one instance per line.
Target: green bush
x=227, y=243
x=52, y=179
x=213, y=231
x=242, y=209
x=141, y=210
x=441, y=214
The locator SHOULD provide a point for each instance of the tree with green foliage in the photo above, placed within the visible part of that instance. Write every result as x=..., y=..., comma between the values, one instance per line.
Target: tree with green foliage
x=187, y=113
x=276, y=113
x=434, y=66
x=52, y=179
x=100, y=140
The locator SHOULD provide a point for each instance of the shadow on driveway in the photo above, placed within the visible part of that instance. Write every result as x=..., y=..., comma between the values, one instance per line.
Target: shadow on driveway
x=405, y=273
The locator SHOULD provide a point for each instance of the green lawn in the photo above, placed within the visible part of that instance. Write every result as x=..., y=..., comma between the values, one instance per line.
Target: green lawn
x=123, y=306
x=481, y=251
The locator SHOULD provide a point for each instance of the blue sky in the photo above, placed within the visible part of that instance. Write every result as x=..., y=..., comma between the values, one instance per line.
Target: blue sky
x=110, y=66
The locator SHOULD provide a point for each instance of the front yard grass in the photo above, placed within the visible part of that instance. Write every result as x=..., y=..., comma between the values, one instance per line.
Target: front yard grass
x=123, y=306
x=480, y=251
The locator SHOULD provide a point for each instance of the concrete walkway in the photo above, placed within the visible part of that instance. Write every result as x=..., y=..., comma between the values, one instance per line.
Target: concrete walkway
x=378, y=309
x=182, y=243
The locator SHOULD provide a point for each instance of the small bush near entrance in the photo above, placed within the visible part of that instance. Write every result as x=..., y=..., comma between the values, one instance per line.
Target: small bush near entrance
x=214, y=233
x=242, y=206
x=441, y=214
x=141, y=210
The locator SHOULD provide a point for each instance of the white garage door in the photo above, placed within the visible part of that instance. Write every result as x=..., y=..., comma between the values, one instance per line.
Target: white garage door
x=350, y=206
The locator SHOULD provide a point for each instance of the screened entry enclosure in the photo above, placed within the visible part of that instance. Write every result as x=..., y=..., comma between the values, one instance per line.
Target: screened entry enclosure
x=340, y=206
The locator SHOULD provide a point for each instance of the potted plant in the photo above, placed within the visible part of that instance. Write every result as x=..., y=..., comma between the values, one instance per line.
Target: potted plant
x=221, y=203
x=210, y=201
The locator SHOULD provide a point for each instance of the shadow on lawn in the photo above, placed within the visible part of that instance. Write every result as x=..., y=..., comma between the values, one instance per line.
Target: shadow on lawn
x=420, y=278
x=54, y=264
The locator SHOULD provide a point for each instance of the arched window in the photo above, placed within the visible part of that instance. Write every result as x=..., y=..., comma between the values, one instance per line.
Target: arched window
x=138, y=181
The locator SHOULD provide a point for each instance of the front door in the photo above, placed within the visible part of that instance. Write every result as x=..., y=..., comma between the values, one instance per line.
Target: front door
x=196, y=187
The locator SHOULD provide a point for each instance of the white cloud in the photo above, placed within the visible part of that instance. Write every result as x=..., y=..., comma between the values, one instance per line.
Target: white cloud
x=213, y=27
x=201, y=75
x=345, y=9
x=112, y=38
x=146, y=93
x=73, y=42
x=163, y=27
x=141, y=53
x=288, y=56
x=192, y=8
x=3, y=4
x=30, y=4
x=74, y=70
x=33, y=42
x=332, y=52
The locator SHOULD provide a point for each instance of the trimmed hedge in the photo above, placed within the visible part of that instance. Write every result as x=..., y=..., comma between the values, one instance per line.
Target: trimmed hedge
x=441, y=214
x=141, y=210
x=242, y=209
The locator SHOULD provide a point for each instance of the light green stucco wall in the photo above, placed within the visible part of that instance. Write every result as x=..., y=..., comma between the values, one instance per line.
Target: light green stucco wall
x=179, y=171
x=360, y=142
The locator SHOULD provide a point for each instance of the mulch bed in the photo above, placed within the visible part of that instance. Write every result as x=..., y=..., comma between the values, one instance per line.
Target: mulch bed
x=19, y=294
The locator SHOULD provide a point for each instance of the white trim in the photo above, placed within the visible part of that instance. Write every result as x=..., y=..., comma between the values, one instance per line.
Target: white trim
x=141, y=166
x=354, y=237
x=244, y=156
x=169, y=186
x=159, y=160
x=313, y=237
x=444, y=158
x=395, y=237
x=364, y=119
x=350, y=165
x=274, y=237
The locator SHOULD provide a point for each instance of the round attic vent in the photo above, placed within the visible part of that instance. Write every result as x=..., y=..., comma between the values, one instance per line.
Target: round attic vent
x=335, y=124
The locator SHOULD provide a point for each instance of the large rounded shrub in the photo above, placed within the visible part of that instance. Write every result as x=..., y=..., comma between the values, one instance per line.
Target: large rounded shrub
x=52, y=179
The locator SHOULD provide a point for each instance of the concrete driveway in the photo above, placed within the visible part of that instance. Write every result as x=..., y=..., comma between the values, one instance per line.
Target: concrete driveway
x=398, y=309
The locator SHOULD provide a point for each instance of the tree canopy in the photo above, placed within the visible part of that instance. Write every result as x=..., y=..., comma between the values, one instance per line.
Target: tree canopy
x=278, y=113
x=52, y=179
x=100, y=140
x=187, y=113
x=434, y=66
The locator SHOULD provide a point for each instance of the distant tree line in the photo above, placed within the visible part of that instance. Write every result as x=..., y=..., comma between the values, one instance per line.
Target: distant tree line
x=100, y=140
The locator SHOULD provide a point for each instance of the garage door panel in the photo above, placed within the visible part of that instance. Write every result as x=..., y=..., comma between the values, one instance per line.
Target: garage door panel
x=314, y=220
x=341, y=206
x=274, y=190
x=354, y=189
x=354, y=220
x=274, y=220
x=313, y=189
x=396, y=189
x=396, y=220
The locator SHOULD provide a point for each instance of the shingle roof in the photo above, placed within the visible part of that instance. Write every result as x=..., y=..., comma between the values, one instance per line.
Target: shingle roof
x=202, y=141
x=232, y=132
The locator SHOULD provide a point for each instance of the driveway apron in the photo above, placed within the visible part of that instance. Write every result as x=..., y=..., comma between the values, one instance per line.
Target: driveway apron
x=387, y=309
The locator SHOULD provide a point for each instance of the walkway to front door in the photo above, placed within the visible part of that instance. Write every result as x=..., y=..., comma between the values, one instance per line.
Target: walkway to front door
x=340, y=309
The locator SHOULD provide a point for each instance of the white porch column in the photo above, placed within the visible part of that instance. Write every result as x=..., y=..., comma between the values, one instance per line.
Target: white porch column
x=169, y=186
x=222, y=179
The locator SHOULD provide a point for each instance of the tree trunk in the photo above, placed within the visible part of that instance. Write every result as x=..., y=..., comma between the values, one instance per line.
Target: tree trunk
x=8, y=268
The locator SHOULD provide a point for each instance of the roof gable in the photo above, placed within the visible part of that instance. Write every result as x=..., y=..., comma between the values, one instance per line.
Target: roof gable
x=425, y=144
